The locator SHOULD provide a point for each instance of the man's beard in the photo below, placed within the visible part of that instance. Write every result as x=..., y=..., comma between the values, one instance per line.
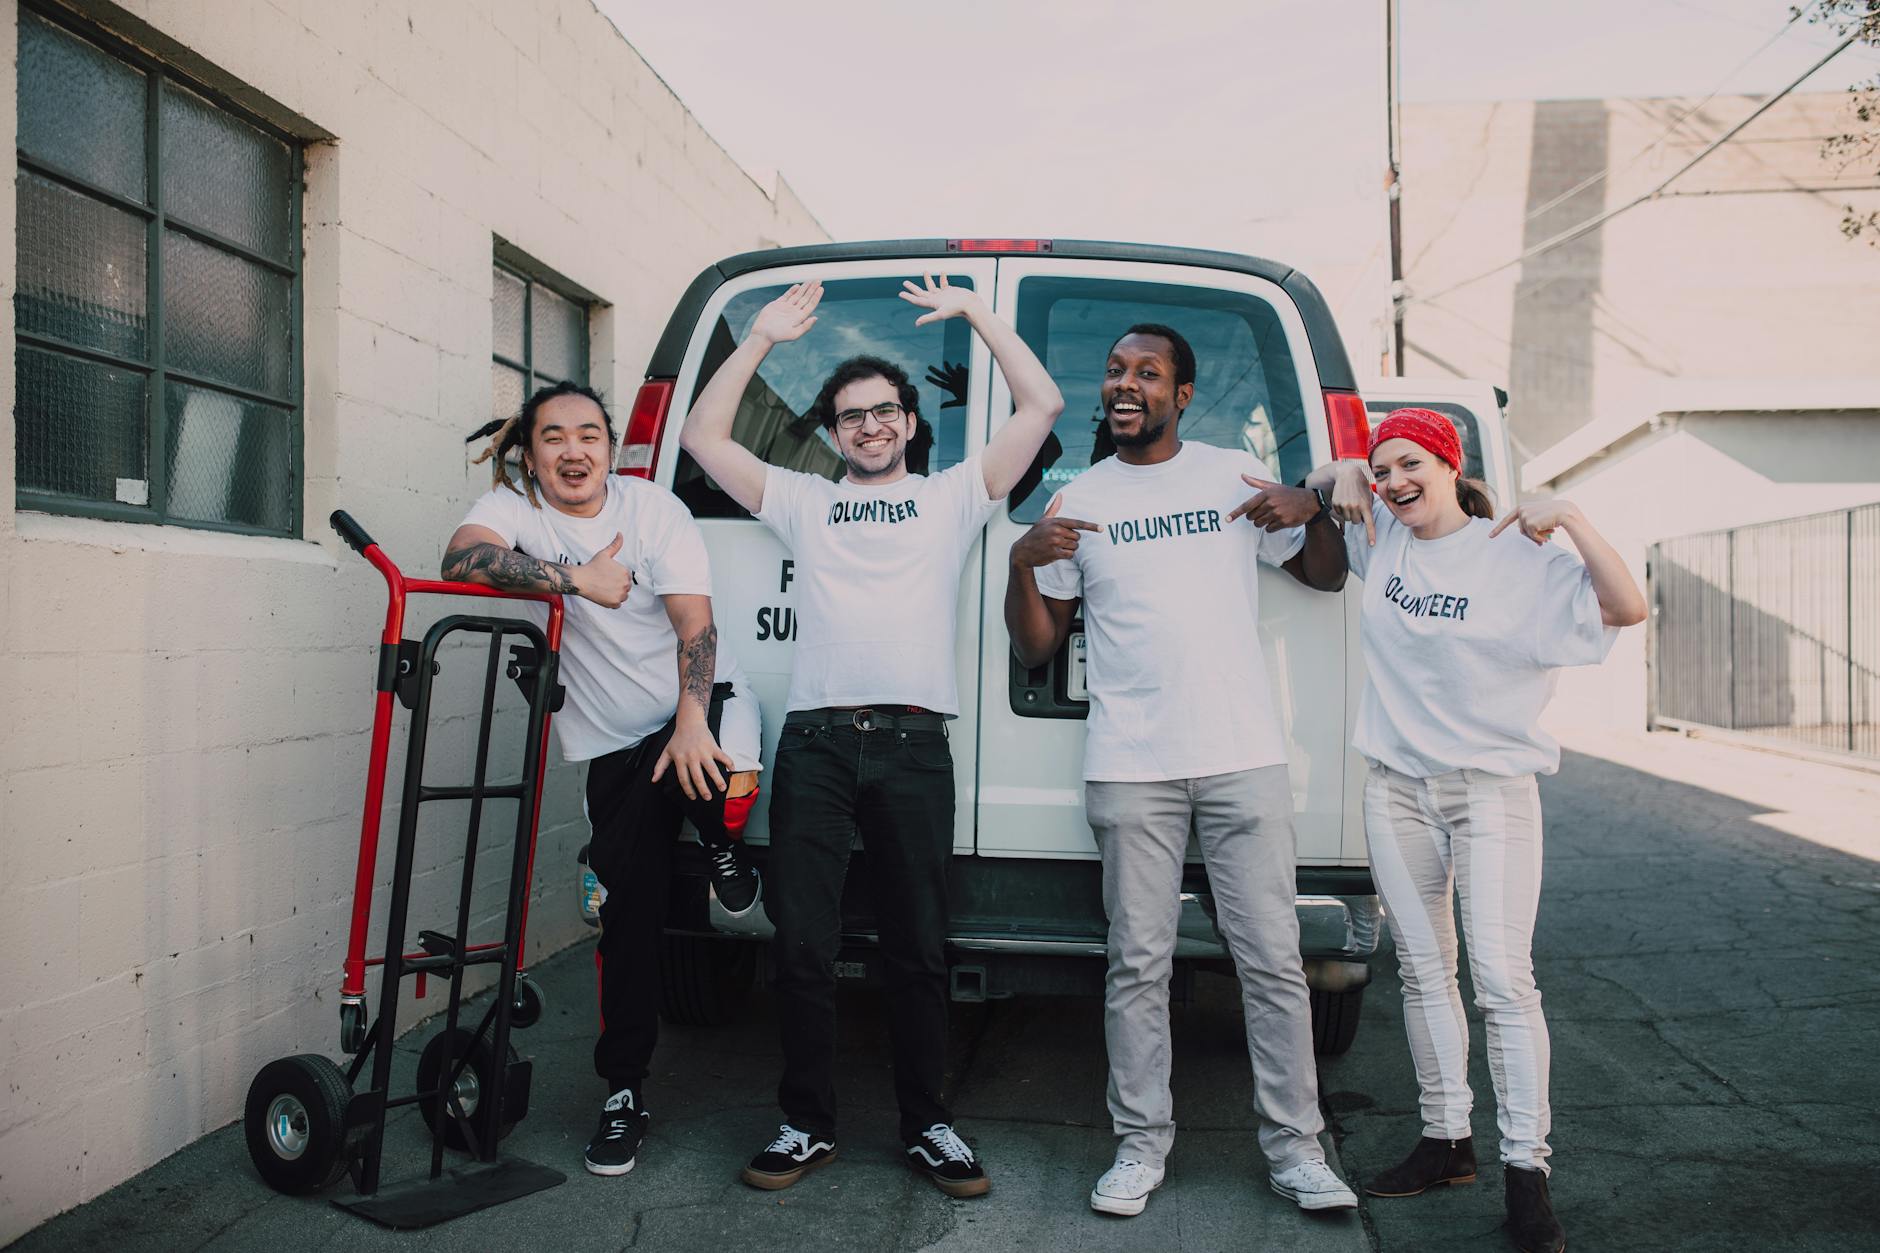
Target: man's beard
x=1144, y=436
x=859, y=474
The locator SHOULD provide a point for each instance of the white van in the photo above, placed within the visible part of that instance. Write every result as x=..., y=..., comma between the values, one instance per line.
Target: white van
x=1273, y=378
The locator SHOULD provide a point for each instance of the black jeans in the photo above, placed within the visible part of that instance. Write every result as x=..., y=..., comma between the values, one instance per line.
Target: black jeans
x=895, y=786
x=635, y=824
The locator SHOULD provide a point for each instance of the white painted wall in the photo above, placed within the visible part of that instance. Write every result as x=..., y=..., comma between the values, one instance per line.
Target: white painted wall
x=183, y=761
x=1703, y=472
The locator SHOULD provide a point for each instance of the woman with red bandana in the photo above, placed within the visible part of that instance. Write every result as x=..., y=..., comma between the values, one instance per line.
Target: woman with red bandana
x=1464, y=621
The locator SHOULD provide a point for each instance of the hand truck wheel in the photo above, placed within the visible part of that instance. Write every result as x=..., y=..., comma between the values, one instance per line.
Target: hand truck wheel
x=530, y=1003
x=477, y=1080
x=295, y=1123
x=352, y=1026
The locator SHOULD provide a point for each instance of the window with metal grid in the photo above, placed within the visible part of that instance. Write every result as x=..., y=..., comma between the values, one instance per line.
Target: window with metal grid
x=540, y=334
x=157, y=368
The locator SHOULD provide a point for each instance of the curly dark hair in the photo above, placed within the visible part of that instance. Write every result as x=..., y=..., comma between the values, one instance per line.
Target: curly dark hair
x=862, y=367
x=509, y=437
x=1184, y=353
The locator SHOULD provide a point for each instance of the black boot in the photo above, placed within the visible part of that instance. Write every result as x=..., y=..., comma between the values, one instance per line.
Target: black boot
x=1531, y=1222
x=1431, y=1163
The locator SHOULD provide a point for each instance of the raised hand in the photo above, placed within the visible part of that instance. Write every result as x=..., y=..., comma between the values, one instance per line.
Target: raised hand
x=1351, y=496
x=788, y=317
x=950, y=377
x=1538, y=519
x=1050, y=538
x=602, y=579
x=944, y=300
x=1275, y=507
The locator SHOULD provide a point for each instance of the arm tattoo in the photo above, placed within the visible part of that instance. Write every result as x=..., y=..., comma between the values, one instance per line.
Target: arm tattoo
x=507, y=568
x=698, y=658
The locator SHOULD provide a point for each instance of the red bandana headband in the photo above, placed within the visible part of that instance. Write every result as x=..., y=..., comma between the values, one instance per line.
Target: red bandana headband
x=1421, y=426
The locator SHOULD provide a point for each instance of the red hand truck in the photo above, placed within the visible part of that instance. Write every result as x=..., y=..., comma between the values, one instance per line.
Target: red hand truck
x=306, y=1125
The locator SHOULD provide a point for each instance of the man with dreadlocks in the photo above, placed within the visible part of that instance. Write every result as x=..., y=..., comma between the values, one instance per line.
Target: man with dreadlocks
x=633, y=568
x=864, y=745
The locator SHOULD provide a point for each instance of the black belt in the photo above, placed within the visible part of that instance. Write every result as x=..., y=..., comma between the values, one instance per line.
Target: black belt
x=894, y=718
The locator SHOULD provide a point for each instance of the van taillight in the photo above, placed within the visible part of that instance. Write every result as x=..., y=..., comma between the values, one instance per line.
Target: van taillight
x=639, y=452
x=1348, y=423
x=998, y=245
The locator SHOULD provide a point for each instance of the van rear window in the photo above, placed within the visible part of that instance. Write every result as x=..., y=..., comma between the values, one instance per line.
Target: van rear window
x=864, y=315
x=1468, y=427
x=1247, y=392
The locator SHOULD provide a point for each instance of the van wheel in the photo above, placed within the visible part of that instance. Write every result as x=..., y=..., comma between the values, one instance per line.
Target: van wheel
x=294, y=1122
x=1335, y=1021
x=704, y=982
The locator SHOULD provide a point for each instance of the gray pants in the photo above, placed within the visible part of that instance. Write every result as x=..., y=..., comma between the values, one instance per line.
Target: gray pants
x=1244, y=823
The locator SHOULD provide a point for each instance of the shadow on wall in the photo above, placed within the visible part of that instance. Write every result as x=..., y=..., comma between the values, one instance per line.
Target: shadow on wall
x=1551, y=365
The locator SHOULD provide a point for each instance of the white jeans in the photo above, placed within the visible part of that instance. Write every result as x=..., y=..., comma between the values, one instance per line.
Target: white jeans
x=1477, y=835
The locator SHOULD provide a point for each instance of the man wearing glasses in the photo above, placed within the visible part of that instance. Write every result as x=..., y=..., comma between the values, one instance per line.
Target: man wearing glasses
x=864, y=744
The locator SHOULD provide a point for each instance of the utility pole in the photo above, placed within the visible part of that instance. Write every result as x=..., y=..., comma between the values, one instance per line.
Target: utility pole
x=1393, y=181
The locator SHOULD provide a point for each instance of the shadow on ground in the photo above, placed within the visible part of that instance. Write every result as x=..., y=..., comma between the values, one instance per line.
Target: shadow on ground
x=1713, y=1000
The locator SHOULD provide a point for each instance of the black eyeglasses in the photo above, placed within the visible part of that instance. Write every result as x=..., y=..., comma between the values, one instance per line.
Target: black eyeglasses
x=885, y=412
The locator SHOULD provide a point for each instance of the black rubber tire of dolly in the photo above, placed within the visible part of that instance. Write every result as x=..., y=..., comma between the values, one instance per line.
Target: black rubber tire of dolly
x=1335, y=1021
x=323, y=1093
x=704, y=982
x=482, y=1066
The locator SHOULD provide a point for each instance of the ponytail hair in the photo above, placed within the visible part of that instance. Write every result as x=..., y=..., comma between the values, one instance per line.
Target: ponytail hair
x=509, y=437
x=1474, y=497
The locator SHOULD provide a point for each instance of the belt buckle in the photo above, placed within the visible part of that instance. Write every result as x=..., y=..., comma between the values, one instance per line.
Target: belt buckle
x=863, y=720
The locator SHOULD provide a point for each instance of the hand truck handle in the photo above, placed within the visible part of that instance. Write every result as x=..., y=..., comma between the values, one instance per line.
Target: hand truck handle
x=351, y=531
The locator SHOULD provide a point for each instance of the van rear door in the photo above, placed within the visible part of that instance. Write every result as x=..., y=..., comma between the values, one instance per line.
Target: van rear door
x=753, y=576
x=1257, y=388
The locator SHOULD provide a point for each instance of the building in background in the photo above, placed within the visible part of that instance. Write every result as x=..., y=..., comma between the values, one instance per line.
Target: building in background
x=1701, y=361
x=272, y=259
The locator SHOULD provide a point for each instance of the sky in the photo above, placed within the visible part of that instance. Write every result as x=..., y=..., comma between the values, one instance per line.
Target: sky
x=1251, y=125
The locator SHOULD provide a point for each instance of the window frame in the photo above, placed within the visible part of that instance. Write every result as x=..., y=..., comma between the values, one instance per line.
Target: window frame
x=511, y=262
x=156, y=371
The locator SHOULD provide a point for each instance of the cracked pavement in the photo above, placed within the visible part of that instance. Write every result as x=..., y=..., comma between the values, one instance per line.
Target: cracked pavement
x=1704, y=955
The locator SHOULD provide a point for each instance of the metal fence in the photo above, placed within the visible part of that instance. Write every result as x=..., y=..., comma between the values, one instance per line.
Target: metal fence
x=1772, y=630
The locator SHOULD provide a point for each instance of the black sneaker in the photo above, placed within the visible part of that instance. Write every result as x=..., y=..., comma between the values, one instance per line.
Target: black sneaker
x=735, y=883
x=617, y=1142
x=943, y=1157
x=790, y=1156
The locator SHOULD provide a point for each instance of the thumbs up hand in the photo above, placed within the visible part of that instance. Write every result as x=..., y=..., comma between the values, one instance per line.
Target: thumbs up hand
x=602, y=579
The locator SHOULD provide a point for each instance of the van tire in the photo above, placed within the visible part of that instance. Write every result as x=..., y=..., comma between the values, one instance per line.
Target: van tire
x=1335, y=1021
x=704, y=982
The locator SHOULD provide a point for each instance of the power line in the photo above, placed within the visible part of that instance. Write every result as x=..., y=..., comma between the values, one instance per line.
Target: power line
x=1594, y=223
x=1676, y=122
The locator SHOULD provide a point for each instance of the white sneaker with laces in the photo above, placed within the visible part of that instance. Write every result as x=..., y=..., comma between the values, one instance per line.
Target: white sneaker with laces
x=1312, y=1185
x=1125, y=1187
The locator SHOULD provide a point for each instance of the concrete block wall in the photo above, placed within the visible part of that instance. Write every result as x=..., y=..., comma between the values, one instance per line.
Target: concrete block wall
x=182, y=771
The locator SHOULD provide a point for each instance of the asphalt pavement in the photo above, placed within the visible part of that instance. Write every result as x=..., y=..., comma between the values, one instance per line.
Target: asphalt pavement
x=1704, y=952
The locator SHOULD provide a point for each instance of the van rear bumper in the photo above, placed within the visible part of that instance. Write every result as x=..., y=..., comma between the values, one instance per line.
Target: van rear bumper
x=1332, y=929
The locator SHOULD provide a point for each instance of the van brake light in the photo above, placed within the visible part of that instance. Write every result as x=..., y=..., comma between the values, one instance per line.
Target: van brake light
x=1349, y=425
x=998, y=245
x=639, y=451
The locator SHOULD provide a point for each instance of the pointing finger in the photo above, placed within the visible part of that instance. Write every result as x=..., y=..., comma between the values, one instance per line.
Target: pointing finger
x=1370, y=529
x=1503, y=524
x=1262, y=484
x=1057, y=503
x=1079, y=524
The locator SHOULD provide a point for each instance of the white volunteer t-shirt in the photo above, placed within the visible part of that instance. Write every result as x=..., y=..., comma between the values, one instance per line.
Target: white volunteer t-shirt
x=1461, y=638
x=1171, y=595
x=878, y=568
x=620, y=666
